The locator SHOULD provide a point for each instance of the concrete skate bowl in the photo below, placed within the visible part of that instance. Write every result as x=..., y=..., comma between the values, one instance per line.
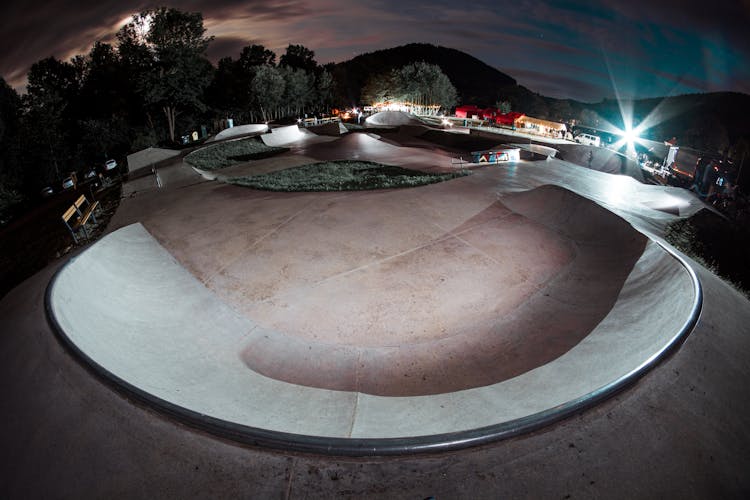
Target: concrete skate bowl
x=141, y=321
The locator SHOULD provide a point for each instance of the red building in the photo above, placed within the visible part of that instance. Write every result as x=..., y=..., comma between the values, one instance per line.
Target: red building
x=508, y=119
x=467, y=111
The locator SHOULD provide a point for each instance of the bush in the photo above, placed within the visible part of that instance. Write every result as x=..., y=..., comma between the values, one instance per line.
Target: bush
x=230, y=153
x=719, y=244
x=9, y=198
x=344, y=175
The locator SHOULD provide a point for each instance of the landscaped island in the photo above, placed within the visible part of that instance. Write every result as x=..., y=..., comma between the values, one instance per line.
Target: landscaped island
x=342, y=175
x=230, y=153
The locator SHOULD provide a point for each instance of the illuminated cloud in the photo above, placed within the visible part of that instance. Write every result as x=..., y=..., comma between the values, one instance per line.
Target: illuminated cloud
x=566, y=48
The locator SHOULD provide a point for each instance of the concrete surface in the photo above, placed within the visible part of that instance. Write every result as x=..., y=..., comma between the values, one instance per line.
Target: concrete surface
x=679, y=432
x=547, y=308
x=291, y=135
x=149, y=156
x=240, y=131
x=332, y=129
x=391, y=119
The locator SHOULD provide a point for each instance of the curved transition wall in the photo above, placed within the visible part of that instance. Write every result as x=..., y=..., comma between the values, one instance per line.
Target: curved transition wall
x=240, y=130
x=500, y=295
x=129, y=309
x=391, y=119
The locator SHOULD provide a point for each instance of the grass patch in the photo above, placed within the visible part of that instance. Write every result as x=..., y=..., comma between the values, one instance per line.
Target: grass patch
x=719, y=244
x=230, y=153
x=343, y=175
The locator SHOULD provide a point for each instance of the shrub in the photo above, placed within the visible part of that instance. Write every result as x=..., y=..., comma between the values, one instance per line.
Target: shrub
x=230, y=153
x=344, y=175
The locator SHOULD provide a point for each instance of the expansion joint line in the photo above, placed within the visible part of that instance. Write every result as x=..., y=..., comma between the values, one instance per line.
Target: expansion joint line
x=257, y=241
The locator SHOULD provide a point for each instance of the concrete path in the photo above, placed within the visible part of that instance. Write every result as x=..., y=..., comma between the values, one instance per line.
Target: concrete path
x=679, y=432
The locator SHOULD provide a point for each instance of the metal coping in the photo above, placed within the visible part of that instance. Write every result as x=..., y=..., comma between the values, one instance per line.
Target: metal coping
x=338, y=446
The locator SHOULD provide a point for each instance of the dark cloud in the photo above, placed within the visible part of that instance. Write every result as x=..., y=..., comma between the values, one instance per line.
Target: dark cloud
x=258, y=10
x=58, y=29
x=227, y=47
x=563, y=85
x=576, y=48
x=62, y=29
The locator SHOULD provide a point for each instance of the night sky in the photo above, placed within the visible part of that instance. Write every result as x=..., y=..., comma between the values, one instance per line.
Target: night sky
x=582, y=50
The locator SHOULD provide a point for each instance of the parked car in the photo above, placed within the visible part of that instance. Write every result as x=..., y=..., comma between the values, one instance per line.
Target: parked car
x=589, y=140
x=110, y=165
x=68, y=183
x=47, y=191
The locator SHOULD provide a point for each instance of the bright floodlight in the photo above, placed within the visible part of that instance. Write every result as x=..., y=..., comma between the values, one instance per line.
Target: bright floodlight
x=630, y=135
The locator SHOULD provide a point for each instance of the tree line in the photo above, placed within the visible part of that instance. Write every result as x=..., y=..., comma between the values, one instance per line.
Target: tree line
x=424, y=86
x=155, y=83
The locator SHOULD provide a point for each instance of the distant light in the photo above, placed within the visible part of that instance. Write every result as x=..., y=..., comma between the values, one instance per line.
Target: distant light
x=299, y=120
x=447, y=122
x=630, y=135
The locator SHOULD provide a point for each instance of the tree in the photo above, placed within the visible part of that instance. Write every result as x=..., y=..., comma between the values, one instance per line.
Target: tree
x=323, y=94
x=10, y=116
x=227, y=92
x=253, y=56
x=299, y=57
x=298, y=90
x=10, y=111
x=100, y=138
x=52, y=86
x=560, y=110
x=423, y=85
x=504, y=106
x=588, y=118
x=267, y=90
x=380, y=88
x=104, y=89
x=175, y=54
x=426, y=85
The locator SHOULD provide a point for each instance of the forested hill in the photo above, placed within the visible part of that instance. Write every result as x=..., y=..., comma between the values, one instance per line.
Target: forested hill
x=475, y=81
x=715, y=122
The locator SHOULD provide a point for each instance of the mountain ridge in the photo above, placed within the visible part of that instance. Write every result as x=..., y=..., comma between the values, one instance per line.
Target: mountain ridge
x=714, y=121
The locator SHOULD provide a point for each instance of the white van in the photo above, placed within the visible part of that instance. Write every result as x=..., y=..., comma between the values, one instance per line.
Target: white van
x=589, y=140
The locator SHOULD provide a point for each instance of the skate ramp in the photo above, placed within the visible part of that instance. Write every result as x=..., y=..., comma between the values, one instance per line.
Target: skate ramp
x=148, y=157
x=600, y=158
x=333, y=129
x=148, y=326
x=289, y=135
x=391, y=119
x=241, y=130
x=537, y=149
